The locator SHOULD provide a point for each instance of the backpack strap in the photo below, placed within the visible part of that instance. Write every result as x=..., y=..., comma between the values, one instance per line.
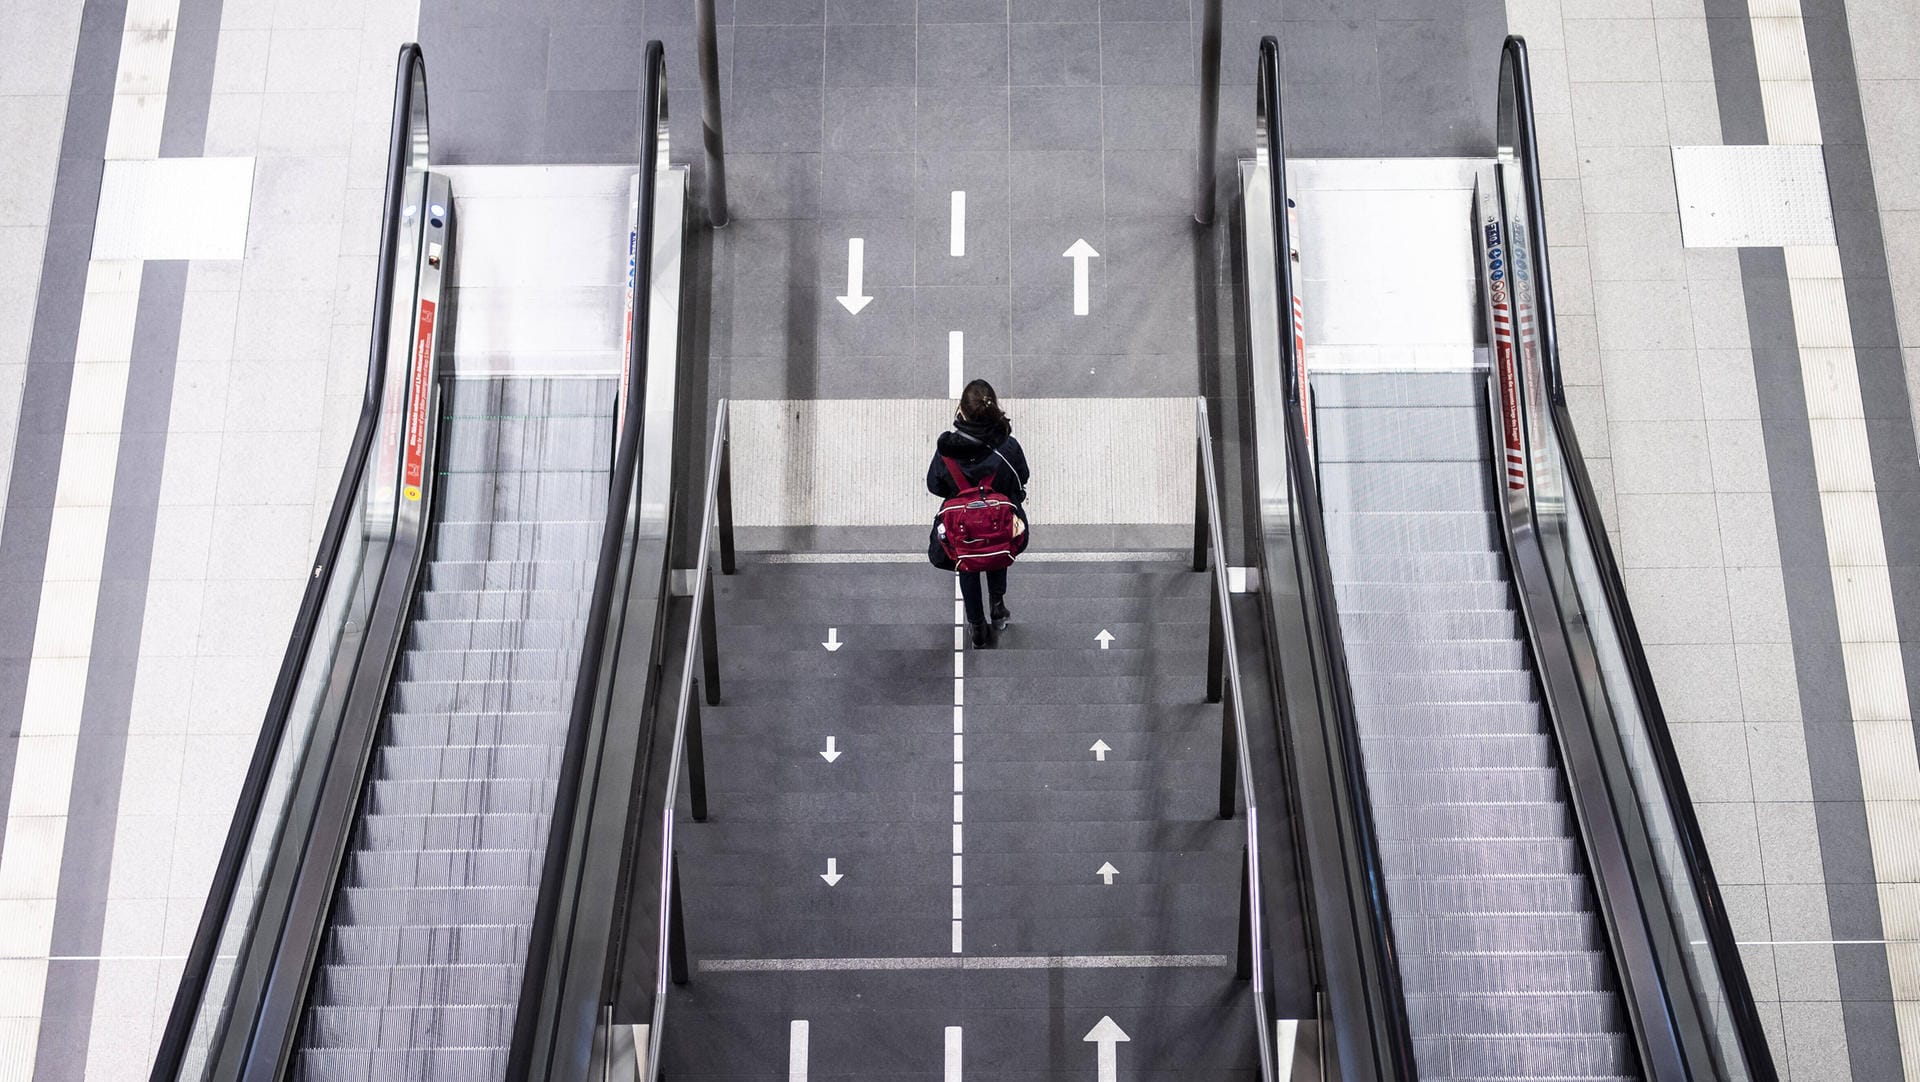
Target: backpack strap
x=959, y=479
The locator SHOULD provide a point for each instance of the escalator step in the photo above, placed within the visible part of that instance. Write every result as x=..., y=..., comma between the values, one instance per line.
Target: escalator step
x=457, y=697
x=1401, y=689
x=397, y=869
x=494, y=635
x=469, y=944
x=1458, y=753
x=535, y=762
x=517, y=727
x=1513, y=894
x=501, y=605
x=433, y=1060
x=508, y=575
x=454, y=831
x=439, y=905
x=510, y=796
x=405, y=1027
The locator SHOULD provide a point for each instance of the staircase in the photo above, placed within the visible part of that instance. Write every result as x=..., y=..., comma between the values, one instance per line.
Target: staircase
x=1503, y=958
x=869, y=962
x=420, y=969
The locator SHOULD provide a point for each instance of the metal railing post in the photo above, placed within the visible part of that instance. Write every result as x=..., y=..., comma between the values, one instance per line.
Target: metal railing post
x=696, y=757
x=711, y=134
x=1209, y=111
x=1216, y=644
x=1201, y=499
x=710, y=643
x=1229, y=758
x=1244, y=968
x=724, y=504
x=676, y=924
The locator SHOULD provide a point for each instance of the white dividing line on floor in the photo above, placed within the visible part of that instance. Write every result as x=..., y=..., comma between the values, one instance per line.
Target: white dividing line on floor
x=959, y=737
x=957, y=247
x=797, y=1035
x=40, y=801
x=956, y=363
x=937, y=962
x=953, y=1054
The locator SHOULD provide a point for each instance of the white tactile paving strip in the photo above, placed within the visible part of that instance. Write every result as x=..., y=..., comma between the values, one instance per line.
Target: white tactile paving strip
x=856, y=462
x=174, y=208
x=1752, y=196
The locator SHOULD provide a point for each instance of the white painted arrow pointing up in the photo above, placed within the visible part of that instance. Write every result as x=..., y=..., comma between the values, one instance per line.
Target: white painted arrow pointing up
x=832, y=875
x=833, y=640
x=831, y=753
x=1100, y=750
x=1107, y=1035
x=856, y=276
x=1105, y=638
x=1080, y=253
x=1107, y=872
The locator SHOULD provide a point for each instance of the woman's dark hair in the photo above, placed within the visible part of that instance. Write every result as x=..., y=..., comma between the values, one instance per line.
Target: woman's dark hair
x=978, y=403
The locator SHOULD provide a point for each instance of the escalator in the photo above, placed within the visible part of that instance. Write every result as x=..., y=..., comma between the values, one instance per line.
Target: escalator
x=429, y=924
x=384, y=903
x=1508, y=880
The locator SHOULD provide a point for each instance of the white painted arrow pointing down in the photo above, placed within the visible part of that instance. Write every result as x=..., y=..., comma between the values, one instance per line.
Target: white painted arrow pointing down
x=831, y=753
x=1106, y=1036
x=833, y=640
x=832, y=875
x=856, y=276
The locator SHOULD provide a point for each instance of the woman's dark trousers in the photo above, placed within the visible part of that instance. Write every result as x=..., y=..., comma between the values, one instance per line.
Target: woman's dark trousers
x=970, y=592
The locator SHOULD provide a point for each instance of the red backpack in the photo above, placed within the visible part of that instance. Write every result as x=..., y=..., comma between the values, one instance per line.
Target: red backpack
x=979, y=529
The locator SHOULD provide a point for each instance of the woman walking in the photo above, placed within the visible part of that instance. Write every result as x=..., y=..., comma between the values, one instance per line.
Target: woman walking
x=979, y=455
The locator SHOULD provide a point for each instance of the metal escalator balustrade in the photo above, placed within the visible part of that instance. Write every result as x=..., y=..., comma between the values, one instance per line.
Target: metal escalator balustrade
x=229, y=962
x=420, y=971
x=1703, y=986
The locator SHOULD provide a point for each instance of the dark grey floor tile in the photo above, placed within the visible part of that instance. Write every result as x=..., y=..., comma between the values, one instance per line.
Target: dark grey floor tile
x=963, y=54
x=1149, y=183
x=774, y=185
x=510, y=55
x=888, y=245
x=870, y=55
x=963, y=11
x=779, y=12
x=1055, y=118
x=963, y=118
x=1335, y=50
x=1150, y=117
x=1054, y=11
x=1054, y=54
x=1056, y=184
x=592, y=126
x=868, y=118
x=777, y=56
x=625, y=13
x=488, y=127
x=980, y=313
x=871, y=11
x=884, y=328
x=982, y=174
x=775, y=119
x=1134, y=54
x=986, y=261
x=868, y=184
x=599, y=57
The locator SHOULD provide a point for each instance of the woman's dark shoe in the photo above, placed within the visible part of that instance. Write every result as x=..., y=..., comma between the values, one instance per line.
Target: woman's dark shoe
x=1000, y=614
x=982, y=636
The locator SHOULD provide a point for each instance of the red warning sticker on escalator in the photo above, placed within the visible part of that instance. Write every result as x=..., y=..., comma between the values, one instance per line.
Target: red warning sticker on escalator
x=419, y=381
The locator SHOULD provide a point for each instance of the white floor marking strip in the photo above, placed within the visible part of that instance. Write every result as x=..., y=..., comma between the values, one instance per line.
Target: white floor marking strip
x=797, y=1035
x=958, y=225
x=38, y=806
x=1870, y=646
x=956, y=363
x=959, y=701
x=953, y=1041
x=993, y=962
x=856, y=276
x=1080, y=253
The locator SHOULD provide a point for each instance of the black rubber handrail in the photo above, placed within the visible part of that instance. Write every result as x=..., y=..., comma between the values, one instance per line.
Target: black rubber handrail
x=526, y=1023
x=1396, y=1033
x=175, y=1039
x=1691, y=844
